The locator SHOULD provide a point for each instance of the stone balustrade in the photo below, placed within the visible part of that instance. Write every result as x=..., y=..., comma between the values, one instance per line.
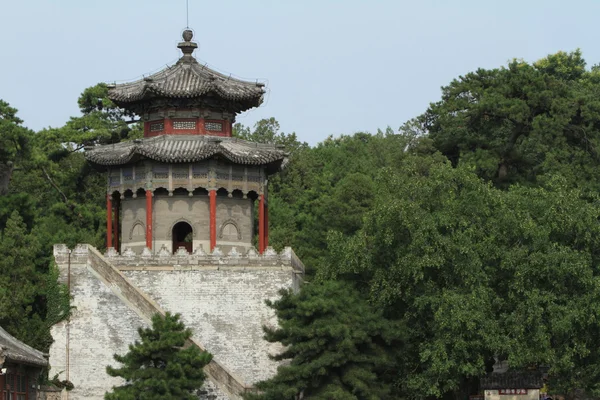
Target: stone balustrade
x=184, y=260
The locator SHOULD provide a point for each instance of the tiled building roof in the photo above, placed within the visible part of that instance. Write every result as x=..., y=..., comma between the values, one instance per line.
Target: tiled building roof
x=188, y=148
x=188, y=79
x=13, y=350
x=512, y=380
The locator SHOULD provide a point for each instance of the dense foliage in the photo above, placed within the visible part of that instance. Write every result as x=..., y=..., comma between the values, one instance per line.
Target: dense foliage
x=337, y=344
x=477, y=274
x=474, y=229
x=158, y=366
x=522, y=123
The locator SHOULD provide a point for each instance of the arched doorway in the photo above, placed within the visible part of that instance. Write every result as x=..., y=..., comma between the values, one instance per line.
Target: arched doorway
x=182, y=236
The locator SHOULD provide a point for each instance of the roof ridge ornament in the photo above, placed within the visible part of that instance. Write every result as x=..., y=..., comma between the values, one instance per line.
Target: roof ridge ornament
x=187, y=46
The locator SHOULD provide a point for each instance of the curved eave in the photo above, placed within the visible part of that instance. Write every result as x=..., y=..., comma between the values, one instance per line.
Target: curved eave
x=18, y=352
x=187, y=80
x=128, y=153
x=154, y=91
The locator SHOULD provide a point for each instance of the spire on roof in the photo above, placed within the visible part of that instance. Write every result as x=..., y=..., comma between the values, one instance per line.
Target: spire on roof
x=187, y=46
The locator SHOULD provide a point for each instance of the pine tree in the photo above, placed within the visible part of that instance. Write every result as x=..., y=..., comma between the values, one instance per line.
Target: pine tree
x=338, y=344
x=158, y=366
x=19, y=281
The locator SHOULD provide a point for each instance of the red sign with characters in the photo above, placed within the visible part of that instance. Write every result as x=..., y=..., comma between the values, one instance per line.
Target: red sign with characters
x=512, y=391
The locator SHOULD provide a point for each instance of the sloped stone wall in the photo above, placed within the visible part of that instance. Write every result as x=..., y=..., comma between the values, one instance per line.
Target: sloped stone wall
x=100, y=326
x=226, y=310
x=221, y=302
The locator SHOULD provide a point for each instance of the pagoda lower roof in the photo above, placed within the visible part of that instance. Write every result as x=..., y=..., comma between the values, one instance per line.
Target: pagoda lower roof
x=186, y=149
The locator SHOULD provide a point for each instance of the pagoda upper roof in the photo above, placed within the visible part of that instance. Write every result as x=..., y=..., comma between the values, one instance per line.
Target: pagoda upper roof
x=188, y=79
x=188, y=148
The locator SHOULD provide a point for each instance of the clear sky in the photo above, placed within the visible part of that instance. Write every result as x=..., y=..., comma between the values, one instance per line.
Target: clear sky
x=332, y=66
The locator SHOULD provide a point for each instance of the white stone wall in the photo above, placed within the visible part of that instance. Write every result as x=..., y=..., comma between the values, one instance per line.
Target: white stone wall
x=223, y=304
x=225, y=308
x=532, y=394
x=101, y=325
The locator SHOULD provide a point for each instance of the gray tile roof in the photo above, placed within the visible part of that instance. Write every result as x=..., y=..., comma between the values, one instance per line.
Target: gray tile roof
x=512, y=380
x=13, y=350
x=188, y=79
x=188, y=148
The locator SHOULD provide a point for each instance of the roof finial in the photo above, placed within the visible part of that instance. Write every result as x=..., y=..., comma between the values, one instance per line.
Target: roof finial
x=187, y=46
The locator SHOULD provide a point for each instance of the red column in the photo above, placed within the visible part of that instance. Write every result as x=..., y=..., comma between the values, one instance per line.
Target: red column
x=266, y=226
x=116, y=224
x=108, y=221
x=227, y=128
x=168, y=125
x=213, y=219
x=149, y=219
x=261, y=224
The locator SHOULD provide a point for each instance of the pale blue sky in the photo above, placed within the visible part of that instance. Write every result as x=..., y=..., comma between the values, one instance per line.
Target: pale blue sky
x=332, y=66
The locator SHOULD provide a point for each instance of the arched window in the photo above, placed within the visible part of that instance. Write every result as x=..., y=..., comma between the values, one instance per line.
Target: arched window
x=230, y=232
x=138, y=231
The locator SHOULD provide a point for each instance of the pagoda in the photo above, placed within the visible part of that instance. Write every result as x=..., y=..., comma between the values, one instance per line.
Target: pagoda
x=187, y=183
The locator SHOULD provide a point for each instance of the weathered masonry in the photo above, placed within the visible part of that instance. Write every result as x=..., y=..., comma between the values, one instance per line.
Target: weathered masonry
x=180, y=227
x=220, y=297
x=187, y=183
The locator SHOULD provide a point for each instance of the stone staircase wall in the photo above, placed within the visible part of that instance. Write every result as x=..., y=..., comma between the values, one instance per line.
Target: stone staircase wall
x=113, y=268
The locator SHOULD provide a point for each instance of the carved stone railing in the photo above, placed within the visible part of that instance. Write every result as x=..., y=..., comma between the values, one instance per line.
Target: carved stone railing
x=200, y=259
x=297, y=264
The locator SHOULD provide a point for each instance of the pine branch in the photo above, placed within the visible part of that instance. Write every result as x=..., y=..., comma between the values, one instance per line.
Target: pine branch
x=66, y=200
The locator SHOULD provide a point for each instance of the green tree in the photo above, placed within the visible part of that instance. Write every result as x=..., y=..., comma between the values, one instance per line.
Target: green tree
x=337, y=343
x=19, y=280
x=522, y=123
x=330, y=187
x=14, y=143
x=475, y=273
x=268, y=131
x=160, y=366
x=100, y=122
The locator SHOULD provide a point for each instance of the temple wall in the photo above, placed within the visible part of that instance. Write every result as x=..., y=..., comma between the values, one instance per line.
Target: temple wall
x=234, y=217
x=168, y=210
x=234, y=221
x=133, y=223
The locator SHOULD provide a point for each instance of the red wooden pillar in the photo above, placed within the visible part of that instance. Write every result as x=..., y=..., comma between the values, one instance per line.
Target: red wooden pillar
x=108, y=221
x=149, y=219
x=267, y=227
x=261, y=224
x=168, y=124
x=116, y=224
x=213, y=219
